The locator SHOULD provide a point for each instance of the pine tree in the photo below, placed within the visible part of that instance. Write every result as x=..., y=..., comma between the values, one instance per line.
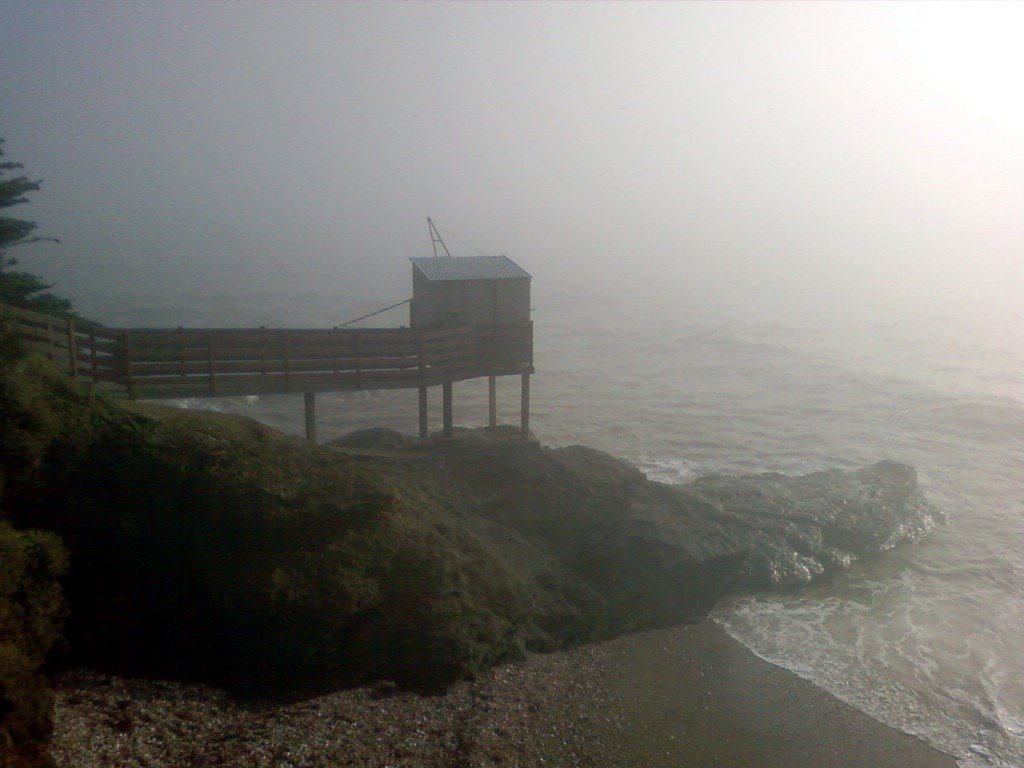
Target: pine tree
x=17, y=288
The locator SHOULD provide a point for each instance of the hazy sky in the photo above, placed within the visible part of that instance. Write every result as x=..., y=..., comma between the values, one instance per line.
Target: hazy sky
x=202, y=145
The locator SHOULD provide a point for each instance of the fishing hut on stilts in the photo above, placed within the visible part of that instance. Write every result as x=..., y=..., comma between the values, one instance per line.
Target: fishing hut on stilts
x=489, y=297
x=469, y=319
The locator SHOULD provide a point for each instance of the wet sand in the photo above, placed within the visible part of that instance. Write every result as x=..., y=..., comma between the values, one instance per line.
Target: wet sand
x=686, y=696
x=692, y=696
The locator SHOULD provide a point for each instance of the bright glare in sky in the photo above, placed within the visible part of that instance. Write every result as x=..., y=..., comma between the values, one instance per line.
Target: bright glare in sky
x=977, y=62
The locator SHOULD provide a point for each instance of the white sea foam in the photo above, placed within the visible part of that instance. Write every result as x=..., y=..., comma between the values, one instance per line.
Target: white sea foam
x=200, y=404
x=864, y=651
x=672, y=471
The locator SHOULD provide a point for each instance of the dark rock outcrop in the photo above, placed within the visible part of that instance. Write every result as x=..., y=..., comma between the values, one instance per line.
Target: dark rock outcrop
x=374, y=438
x=650, y=553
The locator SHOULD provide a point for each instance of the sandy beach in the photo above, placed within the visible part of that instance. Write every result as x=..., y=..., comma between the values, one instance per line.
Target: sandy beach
x=693, y=696
x=681, y=696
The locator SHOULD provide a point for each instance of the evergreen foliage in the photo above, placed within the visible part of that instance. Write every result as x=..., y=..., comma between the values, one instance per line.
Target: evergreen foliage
x=19, y=288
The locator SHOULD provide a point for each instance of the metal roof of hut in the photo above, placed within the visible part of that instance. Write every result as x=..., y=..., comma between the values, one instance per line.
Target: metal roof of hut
x=446, y=268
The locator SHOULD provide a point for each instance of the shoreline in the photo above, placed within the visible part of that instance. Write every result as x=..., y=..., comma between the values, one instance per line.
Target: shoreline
x=688, y=695
x=692, y=695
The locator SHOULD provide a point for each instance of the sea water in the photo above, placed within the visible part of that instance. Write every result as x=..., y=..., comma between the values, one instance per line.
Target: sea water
x=927, y=639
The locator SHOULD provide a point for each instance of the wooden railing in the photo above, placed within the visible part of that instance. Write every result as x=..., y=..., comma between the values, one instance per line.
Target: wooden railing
x=83, y=350
x=187, y=362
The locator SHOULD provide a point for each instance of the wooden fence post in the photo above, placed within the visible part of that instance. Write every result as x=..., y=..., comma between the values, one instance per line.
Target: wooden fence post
x=287, y=362
x=92, y=357
x=126, y=346
x=359, y=361
x=524, y=412
x=211, y=365
x=263, y=353
x=336, y=341
x=424, y=424
x=492, y=400
x=72, y=348
x=446, y=397
x=309, y=399
x=182, y=370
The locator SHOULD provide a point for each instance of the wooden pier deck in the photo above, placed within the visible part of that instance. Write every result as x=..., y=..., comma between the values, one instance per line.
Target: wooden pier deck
x=160, y=363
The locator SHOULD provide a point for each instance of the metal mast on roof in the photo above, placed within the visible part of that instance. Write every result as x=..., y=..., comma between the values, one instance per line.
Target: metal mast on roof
x=435, y=238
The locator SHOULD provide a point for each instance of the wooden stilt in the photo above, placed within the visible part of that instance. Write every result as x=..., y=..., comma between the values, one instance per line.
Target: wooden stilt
x=421, y=350
x=447, y=404
x=126, y=348
x=492, y=400
x=524, y=409
x=424, y=432
x=310, y=403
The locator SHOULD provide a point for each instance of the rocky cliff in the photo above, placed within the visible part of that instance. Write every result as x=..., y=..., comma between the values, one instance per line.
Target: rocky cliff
x=211, y=547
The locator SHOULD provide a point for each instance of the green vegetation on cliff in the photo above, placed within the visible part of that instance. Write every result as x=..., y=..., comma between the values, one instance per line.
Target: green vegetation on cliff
x=217, y=548
x=31, y=614
x=32, y=608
